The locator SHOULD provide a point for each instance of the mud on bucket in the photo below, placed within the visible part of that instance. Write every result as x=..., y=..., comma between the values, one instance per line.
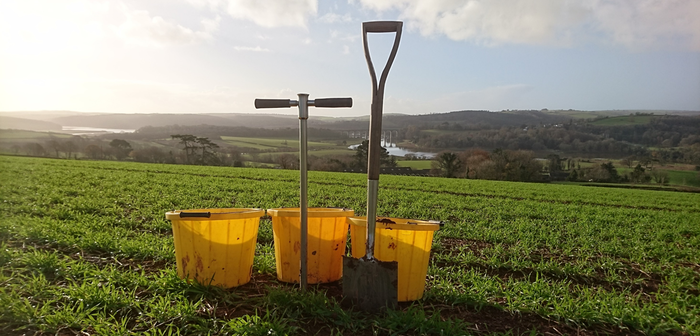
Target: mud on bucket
x=328, y=233
x=407, y=241
x=215, y=246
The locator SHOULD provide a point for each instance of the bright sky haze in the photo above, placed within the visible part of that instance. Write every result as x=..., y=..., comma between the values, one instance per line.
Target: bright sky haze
x=217, y=56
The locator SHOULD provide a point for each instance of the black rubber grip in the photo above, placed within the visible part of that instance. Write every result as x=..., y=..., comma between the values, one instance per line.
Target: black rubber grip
x=195, y=214
x=333, y=102
x=382, y=26
x=272, y=103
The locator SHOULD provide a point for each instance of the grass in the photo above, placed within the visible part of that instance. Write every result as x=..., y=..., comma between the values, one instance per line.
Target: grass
x=85, y=247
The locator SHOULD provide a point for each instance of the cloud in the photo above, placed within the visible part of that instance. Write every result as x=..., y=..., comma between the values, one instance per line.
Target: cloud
x=273, y=13
x=335, y=18
x=33, y=27
x=492, y=98
x=143, y=29
x=119, y=96
x=635, y=24
x=256, y=49
x=648, y=23
x=342, y=36
x=212, y=4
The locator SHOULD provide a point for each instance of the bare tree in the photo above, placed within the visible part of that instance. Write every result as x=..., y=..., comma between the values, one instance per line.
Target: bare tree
x=660, y=176
x=94, y=151
x=35, y=149
x=288, y=161
x=628, y=161
x=471, y=160
x=54, y=145
x=69, y=147
x=151, y=154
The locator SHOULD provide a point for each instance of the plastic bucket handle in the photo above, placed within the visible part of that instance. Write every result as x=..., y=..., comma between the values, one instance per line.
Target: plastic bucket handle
x=398, y=223
x=214, y=214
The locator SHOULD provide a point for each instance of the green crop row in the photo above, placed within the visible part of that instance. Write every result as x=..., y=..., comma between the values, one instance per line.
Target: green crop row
x=586, y=257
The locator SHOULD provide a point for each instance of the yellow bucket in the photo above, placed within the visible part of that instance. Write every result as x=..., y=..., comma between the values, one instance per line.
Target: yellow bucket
x=407, y=241
x=215, y=246
x=327, y=235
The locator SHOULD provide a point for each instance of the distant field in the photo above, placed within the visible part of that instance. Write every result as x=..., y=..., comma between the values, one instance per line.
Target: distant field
x=271, y=143
x=623, y=120
x=575, y=114
x=684, y=177
x=324, y=152
x=437, y=131
x=18, y=135
x=321, y=152
x=415, y=164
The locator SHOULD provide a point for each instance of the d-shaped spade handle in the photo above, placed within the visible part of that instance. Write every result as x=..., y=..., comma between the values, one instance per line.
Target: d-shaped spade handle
x=381, y=27
x=375, y=126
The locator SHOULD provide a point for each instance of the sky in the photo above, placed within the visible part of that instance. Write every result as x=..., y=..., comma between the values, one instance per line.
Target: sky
x=217, y=56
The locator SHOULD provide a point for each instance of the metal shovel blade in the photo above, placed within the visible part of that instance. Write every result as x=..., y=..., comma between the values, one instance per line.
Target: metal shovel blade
x=372, y=285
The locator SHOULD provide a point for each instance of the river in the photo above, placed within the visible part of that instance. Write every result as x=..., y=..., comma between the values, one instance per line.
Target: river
x=78, y=130
x=398, y=151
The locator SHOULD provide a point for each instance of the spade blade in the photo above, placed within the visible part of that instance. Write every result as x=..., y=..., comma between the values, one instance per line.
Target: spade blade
x=372, y=285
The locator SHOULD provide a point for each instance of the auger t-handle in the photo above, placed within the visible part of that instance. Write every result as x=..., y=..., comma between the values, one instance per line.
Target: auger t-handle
x=375, y=121
x=304, y=102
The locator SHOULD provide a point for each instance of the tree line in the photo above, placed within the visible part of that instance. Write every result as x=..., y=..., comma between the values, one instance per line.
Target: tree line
x=519, y=165
x=673, y=138
x=216, y=132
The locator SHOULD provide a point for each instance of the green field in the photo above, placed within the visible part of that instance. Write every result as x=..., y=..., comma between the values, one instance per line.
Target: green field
x=18, y=135
x=415, y=164
x=684, y=177
x=438, y=131
x=575, y=114
x=676, y=177
x=624, y=120
x=85, y=249
x=272, y=143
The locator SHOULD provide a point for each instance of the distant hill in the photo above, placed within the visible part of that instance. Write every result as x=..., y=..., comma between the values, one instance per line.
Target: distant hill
x=459, y=119
x=43, y=115
x=466, y=119
x=577, y=114
x=27, y=124
x=136, y=121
